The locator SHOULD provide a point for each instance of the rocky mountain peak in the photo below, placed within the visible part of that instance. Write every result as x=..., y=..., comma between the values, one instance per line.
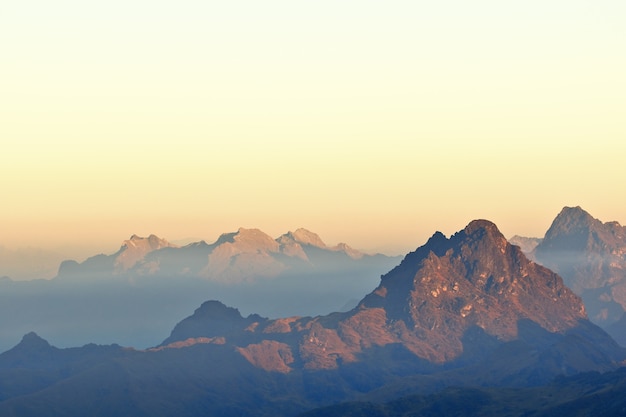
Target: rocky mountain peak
x=576, y=230
x=306, y=237
x=31, y=345
x=211, y=319
x=348, y=250
x=573, y=222
x=136, y=248
x=591, y=257
x=248, y=240
x=33, y=341
x=483, y=233
x=474, y=278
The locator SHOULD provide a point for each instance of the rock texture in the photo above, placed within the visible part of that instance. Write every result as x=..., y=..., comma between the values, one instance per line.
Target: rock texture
x=469, y=310
x=448, y=289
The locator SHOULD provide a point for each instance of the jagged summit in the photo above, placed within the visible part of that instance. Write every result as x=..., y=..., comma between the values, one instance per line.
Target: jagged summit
x=474, y=278
x=306, y=237
x=152, y=241
x=575, y=229
x=591, y=257
x=31, y=347
x=32, y=340
x=348, y=250
x=574, y=222
x=247, y=238
x=211, y=319
x=473, y=283
x=136, y=248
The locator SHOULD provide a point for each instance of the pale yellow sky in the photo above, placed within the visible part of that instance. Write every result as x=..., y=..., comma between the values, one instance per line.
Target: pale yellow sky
x=374, y=123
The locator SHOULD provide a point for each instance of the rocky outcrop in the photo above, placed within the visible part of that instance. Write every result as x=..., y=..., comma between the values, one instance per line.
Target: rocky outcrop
x=472, y=283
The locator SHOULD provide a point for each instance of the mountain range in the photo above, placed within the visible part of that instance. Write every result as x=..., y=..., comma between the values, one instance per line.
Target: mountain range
x=470, y=310
x=137, y=294
x=591, y=257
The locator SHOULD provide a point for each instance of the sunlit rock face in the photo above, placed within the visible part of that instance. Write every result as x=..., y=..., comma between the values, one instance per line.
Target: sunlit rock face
x=468, y=310
x=428, y=304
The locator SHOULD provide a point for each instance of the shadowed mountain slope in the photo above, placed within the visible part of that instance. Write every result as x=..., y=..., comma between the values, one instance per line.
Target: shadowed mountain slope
x=135, y=295
x=469, y=310
x=591, y=257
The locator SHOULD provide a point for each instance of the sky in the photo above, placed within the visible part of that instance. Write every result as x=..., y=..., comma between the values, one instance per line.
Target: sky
x=372, y=123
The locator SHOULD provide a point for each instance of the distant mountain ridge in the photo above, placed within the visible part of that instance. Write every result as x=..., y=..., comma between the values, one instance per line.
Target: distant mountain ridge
x=527, y=244
x=591, y=257
x=474, y=281
x=242, y=256
x=469, y=310
x=136, y=294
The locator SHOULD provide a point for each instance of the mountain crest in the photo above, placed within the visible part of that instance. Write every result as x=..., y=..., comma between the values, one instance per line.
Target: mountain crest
x=591, y=257
x=573, y=221
x=474, y=278
x=136, y=248
x=306, y=237
x=32, y=340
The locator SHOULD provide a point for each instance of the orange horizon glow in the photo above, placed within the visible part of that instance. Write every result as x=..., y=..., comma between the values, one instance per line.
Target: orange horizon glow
x=370, y=124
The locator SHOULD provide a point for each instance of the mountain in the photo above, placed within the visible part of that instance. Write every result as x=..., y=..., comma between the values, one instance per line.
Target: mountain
x=244, y=256
x=134, y=296
x=526, y=244
x=591, y=257
x=452, y=301
x=468, y=311
x=132, y=252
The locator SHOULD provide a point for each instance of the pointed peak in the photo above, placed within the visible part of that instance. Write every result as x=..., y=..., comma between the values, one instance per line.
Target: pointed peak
x=304, y=236
x=152, y=240
x=32, y=341
x=571, y=220
x=577, y=210
x=573, y=215
x=436, y=238
x=348, y=250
